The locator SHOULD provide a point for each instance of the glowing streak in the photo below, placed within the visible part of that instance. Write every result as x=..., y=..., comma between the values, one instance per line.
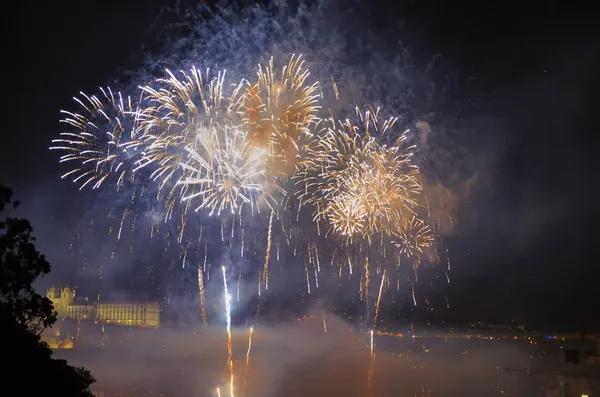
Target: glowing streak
x=379, y=299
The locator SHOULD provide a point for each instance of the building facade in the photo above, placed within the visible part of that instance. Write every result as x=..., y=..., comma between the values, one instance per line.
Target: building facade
x=125, y=313
x=62, y=298
x=132, y=314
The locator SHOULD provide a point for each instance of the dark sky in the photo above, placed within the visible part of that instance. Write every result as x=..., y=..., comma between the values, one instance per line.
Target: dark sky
x=531, y=252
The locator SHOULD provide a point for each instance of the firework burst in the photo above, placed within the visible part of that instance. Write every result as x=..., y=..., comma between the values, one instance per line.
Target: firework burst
x=413, y=236
x=180, y=109
x=358, y=185
x=223, y=170
x=105, y=139
x=195, y=140
x=280, y=109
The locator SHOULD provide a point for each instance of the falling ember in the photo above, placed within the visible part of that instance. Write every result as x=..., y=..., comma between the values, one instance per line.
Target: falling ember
x=202, y=297
x=324, y=323
x=378, y=299
x=184, y=257
x=122, y=222
x=307, y=278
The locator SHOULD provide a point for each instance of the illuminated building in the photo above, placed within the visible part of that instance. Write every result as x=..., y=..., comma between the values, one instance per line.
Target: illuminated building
x=133, y=314
x=125, y=313
x=62, y=298
x=52, y=337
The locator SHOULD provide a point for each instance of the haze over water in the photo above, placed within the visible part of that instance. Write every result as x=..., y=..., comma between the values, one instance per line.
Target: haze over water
x=302, y=359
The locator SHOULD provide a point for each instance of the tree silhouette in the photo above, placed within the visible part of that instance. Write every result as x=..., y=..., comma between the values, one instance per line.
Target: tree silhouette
x=28, y=364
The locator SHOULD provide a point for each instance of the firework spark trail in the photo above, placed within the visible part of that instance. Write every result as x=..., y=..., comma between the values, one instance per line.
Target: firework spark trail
x=379, y=299
x=307, y=278
x=229, y=343
x=268, y=254
x=202, y=297
x=247, y=360
x=122, y=222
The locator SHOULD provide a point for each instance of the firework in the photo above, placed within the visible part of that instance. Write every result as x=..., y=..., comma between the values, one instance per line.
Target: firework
x=222, y=170
x=280, y=109
x=105, y=138
x=413, y=236
x=346, y=214
x=222, y=147
x=193, y=127
x=358, y=185
x=178, y=108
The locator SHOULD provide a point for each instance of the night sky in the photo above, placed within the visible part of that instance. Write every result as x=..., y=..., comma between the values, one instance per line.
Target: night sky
x=526, y=246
